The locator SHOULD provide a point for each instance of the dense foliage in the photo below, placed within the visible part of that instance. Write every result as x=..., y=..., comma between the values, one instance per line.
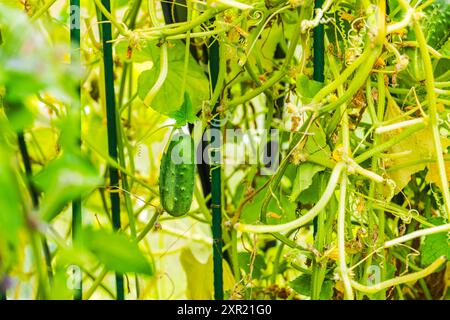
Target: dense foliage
x=321, y=131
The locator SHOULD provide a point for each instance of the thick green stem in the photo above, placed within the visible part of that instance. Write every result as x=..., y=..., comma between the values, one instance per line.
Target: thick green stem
x=326, y=196
x=434, y=116
x=402, y=279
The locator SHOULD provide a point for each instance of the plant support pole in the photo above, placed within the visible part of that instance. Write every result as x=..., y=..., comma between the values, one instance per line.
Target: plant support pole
x=108, y=65
x=75, y=60
x=216, y=184
x=318, y=75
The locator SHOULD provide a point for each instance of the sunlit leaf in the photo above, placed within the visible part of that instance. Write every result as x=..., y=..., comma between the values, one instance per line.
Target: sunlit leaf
x=408, y=153
x=200, y=276
x=304, y=178
x=306, y=87
x=116, y=251
x=169, y=98
x=65, y=179
x=186, y=113
x=435, y=245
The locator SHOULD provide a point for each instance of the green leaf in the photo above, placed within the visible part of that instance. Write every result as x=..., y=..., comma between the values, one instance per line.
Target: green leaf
x=11, y=215
x=302, y=285
x=435, y=245
x=285, y=209
x=199, y=276
x=169, y=98
x=304, y=178
x=63, y=180
x=186, y=113
x=116, y=251
x=316, y=143
x=306, y=87
x=259, y=264
x=312, y=194
x=19, y=116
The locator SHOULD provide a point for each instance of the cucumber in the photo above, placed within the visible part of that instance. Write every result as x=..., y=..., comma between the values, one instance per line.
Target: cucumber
x=177, y=175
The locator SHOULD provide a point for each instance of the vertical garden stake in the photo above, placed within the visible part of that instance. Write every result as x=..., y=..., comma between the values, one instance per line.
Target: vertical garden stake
x=216, y=185
x=108, y=66
x=318, y=75
x=75, y=60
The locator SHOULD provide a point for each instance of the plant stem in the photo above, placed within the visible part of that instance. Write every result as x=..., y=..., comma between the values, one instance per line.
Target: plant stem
x=163, y=70
x=402, y=279
x=307, y=217
x=390, y=143
x=34, y=197
x=416, y=234
x=42, y=10
x=434, y=117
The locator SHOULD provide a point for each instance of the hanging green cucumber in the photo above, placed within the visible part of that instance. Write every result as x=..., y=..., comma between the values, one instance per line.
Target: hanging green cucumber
x=177, y=175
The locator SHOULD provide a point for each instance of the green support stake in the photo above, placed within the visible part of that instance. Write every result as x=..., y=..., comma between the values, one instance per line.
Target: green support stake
x=216, y=184
x=75, y=60
x=108, y=64
x=318, y=75
x=319, y=48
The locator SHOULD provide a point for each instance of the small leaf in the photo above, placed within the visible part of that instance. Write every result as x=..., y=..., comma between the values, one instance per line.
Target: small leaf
x=304, y=178
x=312, y=194
x=116, y=251
x=259, y=264
x=186, y=113
x=435, y=245
x=307, y=88
x=302, y=285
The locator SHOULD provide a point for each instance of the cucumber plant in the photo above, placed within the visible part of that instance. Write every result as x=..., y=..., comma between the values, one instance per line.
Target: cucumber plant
x=299, y=148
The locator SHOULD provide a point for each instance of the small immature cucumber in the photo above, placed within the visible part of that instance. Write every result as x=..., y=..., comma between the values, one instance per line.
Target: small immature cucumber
x=177, y=175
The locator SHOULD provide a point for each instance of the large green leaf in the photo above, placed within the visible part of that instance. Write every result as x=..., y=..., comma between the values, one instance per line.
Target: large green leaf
x=116, y=251
x=63, y=180
x=169, y=98
x=200, y=276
